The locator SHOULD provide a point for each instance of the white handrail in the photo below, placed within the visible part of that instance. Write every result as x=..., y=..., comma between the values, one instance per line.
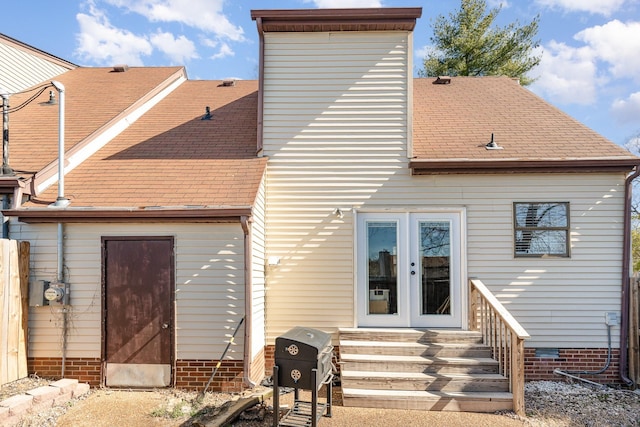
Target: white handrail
x=508, y=318
x=502, y=332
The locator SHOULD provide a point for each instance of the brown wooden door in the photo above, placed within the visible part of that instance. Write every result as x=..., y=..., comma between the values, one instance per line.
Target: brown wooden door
x=138, y=311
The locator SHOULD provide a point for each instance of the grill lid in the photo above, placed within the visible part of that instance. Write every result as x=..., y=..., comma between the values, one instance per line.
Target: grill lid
x=311, y=337
x=302, y=343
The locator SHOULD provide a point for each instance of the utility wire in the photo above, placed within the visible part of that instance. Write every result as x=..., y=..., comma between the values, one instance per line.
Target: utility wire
x=30, y=99
x=44, y=85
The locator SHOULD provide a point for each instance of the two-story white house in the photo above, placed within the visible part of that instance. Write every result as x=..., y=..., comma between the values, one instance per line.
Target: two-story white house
x=337, y=192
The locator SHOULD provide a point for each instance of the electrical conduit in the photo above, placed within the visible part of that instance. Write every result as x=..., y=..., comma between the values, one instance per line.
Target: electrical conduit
x=61, y=202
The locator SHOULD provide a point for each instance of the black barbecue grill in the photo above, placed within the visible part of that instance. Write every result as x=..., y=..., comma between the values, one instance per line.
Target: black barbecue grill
x=303, y=359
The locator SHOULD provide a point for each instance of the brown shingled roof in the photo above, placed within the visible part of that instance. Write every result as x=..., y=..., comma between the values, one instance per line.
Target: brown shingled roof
x=170, y=157
x=93, y=97
x=453, y=122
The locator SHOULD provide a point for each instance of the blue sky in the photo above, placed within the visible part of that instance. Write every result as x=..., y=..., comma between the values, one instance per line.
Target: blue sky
x=590, y=49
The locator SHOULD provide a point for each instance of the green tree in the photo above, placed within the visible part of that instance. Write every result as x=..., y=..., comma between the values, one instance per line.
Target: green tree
x=466, y=44
x=633, y=145
x=635, y=249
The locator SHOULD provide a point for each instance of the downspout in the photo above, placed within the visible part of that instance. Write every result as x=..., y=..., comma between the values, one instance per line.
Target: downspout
x=245, y=222
x=259, y=143
x=61, y=202
x=626, y=262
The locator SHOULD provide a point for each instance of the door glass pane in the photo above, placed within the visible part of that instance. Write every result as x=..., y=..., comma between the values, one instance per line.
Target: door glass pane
x=382, y=288
x=435, y=260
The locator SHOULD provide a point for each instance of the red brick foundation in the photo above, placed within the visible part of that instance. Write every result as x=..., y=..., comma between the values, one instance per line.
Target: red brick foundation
x=194, y=374
x=85, y=370
x=269, y=359
x=541, y=368
x=572, y=360
x=189, y=374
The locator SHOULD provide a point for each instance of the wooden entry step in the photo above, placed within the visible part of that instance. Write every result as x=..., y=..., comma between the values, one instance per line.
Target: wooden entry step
x=450, y=382
x=424, y=369
x=441, y=349
x=428, y=400
x=425, y=336
x=393, y=363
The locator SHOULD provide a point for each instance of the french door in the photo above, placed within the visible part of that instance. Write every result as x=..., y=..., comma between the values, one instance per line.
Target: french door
x=410, y=269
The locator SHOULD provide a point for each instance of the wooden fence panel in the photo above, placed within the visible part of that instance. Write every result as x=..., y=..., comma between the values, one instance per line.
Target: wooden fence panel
x=14, y=278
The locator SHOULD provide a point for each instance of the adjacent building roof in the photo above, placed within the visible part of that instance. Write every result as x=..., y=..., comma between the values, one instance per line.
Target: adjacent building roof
x=24, y=66
x=454, y=119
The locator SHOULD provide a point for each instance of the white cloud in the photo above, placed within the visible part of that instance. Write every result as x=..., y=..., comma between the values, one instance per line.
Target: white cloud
x=335, y=4
x=223, y=52
x=601, y=7
x=566, y=74
x=101, y=43
x=422, y=52
x=573, y=75
x=179, y=50
x=498, y=3
x=205, y=15
x=627, y=110
x=616, y=43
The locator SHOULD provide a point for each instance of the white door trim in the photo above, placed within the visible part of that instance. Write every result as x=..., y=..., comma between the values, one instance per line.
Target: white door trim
x=408, y=302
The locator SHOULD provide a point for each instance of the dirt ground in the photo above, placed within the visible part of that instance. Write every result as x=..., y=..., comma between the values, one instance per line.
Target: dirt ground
x=138, y=409
x=548, y=404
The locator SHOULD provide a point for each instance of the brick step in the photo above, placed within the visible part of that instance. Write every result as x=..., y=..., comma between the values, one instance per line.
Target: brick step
x=57, y=393
x=406, y=348
x=418, y=364
x=428, y=400
x=374, y=380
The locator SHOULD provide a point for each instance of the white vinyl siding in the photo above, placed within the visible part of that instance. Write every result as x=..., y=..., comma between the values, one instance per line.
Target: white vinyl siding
x=22, y=69
x=561, y=302
x=336, y=135
x=209, y=265
x=335, y=130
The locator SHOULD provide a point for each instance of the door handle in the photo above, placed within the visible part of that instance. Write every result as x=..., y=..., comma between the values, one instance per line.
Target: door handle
x=165, y=326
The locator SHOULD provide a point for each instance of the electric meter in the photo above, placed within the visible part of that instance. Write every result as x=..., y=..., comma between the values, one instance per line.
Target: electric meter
x=54, y=294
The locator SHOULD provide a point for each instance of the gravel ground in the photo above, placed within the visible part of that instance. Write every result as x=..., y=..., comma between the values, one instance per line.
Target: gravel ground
x=548, y=404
